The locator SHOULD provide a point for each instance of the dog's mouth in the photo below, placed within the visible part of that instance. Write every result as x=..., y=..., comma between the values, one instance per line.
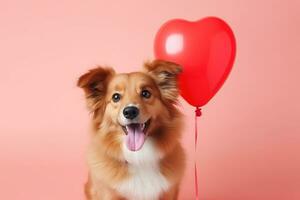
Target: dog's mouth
x=134, y=126
x=136, y=134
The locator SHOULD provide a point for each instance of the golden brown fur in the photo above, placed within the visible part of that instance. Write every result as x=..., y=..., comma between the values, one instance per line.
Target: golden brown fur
x=106, y=161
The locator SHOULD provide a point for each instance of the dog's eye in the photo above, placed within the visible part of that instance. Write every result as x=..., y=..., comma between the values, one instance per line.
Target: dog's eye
x=146, y=94
x=116, y=97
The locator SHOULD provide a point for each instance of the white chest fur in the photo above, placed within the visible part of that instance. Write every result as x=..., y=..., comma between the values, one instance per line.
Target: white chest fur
x=145, y=181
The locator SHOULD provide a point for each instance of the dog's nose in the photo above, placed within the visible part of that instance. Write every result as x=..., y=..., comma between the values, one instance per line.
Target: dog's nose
x=131, y=112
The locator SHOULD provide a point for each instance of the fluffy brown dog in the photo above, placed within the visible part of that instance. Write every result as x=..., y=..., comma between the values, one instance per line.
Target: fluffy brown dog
x=134, y=152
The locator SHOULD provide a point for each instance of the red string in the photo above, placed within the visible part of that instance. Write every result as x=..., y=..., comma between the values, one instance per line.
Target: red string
x=197, y=114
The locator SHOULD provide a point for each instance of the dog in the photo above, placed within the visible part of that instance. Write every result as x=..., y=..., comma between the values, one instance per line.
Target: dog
x=134, y=152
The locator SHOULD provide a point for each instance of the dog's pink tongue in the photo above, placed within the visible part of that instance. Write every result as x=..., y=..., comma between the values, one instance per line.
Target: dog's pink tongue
x=135, y=137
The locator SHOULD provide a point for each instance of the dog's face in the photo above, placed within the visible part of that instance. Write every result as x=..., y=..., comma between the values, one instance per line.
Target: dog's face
x=134, y=105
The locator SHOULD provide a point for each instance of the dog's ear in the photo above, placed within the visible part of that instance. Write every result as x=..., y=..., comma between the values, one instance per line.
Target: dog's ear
x=94, y=83
x=165, y=75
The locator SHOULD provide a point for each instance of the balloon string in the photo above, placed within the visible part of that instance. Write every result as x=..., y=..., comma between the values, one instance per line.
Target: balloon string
x=197, y=114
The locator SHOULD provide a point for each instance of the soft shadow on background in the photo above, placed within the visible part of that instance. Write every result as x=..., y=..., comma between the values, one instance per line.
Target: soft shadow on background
x=249, y=133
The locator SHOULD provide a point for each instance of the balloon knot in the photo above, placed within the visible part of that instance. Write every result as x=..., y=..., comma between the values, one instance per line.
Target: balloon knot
x=198, y=112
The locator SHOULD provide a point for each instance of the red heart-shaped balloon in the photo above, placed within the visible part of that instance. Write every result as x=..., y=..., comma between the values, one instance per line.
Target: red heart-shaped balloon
x=206, y=51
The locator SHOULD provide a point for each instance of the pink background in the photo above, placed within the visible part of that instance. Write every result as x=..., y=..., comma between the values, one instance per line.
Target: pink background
x=249, y=133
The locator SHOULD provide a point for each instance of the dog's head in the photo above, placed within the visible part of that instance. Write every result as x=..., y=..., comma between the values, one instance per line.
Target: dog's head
x=130, y=107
